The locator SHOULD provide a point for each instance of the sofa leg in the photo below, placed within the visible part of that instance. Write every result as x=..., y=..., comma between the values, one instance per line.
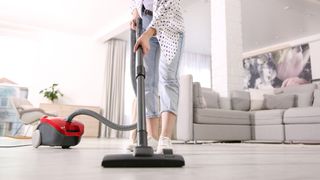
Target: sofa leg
x=186, y=142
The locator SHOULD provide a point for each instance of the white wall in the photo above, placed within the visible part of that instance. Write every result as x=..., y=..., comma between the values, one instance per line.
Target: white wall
x=219, y=47
x=235, y=45
x=197, y=21
x=226, y=38
x=245, y=28
x=269, y=22
x=38, y=59
x=315, y=59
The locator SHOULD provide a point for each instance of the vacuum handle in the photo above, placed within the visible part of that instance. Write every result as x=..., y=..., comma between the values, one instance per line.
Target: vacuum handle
x=138, y=54
x=134, y=35
x=133, y=40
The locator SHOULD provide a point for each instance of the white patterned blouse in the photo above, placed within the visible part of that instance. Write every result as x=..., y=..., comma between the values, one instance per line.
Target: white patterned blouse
x=167, y=21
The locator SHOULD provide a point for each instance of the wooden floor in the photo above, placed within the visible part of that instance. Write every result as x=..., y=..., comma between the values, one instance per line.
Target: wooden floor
x=203, y=161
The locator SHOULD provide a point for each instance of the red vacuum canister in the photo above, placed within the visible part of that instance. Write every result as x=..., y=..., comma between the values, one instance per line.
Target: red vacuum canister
x=56, y=131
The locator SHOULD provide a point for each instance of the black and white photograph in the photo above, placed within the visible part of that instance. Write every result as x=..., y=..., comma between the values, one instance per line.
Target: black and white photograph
x=282, y=68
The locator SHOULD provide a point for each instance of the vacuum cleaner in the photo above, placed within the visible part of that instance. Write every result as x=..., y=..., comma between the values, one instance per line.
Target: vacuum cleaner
x=65, y=132
x=56, y=131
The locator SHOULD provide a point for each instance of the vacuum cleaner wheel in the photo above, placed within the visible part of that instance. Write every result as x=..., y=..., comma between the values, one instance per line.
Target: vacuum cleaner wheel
x=36, y=139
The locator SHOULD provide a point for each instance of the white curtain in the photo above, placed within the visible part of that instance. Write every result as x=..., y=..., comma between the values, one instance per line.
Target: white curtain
x=198, y=65
x=114, y=84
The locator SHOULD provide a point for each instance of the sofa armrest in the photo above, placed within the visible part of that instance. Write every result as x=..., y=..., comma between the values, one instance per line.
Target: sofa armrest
x=185, y=109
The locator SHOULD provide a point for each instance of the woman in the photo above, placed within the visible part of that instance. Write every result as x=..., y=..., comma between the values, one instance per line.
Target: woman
x=161, y=43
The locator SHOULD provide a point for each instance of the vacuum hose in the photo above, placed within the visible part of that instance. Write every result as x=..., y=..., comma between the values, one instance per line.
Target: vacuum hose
x=102, y=119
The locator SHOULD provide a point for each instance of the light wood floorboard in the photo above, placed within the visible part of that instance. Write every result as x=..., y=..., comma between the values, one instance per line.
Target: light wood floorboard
x=203, y=161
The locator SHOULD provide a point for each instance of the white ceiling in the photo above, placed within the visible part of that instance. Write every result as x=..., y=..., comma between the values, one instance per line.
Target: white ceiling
x=269, y=22
x=83, y=17
x=265, y=22
x=93, y=18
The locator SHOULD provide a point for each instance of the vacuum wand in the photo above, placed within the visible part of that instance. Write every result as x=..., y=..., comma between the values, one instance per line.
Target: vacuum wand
x=140, y=76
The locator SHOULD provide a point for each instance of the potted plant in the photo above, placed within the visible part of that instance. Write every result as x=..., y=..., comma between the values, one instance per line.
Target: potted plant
x=51, y=93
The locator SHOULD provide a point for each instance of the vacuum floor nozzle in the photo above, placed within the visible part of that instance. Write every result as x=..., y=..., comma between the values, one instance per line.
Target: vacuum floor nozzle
x=156, y=160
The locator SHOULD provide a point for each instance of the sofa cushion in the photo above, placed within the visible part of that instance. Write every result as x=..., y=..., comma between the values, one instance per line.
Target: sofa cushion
x=211, y=98
x=198, y=99
x=304, y=93
x=316, y=101
x=304, y=99
x=256, y=98
x=280, y=101
x=267, y=117
x=240, y=100
x=301, y=99
x=303, y=115
x=296, y=89
x=220, y=116
x=225, y=103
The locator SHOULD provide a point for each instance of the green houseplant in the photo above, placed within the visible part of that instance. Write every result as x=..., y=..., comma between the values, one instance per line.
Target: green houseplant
x=51, y=93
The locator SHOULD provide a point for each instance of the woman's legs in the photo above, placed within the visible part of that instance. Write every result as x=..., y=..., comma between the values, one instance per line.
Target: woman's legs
x=169, y=97
x=153, y=125
x=151, y=62
x=167, y=124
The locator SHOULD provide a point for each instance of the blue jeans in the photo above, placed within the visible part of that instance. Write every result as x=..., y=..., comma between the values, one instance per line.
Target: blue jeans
x=161, y=77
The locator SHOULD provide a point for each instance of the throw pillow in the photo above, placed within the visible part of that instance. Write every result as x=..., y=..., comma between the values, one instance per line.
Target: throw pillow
x=256, y=98
x=304, y=93
x=211, y=98
x=281, y=101
x=240, y=100
x=316, y=101
x=299, y=88
x=198, y=99
x=302, y=99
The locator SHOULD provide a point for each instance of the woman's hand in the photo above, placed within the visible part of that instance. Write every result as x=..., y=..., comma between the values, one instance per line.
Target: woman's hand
x=143, y=41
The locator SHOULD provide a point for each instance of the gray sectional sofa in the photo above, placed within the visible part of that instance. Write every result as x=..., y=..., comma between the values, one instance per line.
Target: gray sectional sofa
x=289, y=114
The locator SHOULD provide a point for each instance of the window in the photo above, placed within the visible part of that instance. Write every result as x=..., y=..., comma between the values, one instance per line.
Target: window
x=198, y=65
